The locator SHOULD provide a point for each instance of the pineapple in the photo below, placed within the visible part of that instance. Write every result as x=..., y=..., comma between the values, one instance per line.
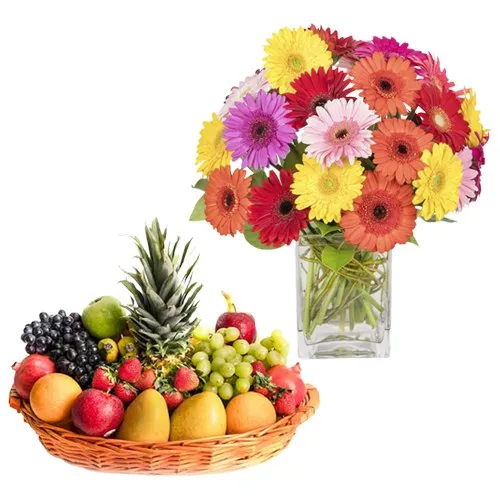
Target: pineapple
x=163, y=301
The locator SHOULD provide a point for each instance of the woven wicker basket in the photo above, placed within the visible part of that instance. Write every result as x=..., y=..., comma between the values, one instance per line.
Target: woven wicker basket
x=179, y=457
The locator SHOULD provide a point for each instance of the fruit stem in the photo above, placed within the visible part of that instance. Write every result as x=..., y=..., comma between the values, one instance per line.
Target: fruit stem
x=230, y=305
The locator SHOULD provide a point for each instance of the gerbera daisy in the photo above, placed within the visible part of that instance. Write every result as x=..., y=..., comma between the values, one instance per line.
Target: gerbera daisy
x=226, y=200
x=442, y=116
x=398, y=147
x=212, y=152
x=478, y=160
x=382, y=216
x=468, y=187
x=438, y=183
x=473, y=118
x=340, y=130
x=313, y=89
x=340, y=46
x=432, y=74
x=273, y=213
x=390, y=48
x=326, y=191
x=250, y=85
x=386, y=85
x=258, y=130
x=290, y=53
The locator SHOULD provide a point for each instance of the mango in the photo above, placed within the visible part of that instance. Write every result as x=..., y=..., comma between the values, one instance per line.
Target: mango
x=146, y=419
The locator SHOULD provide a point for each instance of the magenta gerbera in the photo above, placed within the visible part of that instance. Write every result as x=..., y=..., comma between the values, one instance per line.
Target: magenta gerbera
x=390, y=48
x=340, y=130
x=258, y=130
x=468, y=187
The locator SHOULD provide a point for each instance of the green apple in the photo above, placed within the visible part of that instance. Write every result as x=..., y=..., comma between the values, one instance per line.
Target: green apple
x=104, y=317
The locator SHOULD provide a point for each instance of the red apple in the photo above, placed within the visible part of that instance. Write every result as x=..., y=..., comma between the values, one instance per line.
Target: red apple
x=97, y=413
x=29, y=370
x=243, y=321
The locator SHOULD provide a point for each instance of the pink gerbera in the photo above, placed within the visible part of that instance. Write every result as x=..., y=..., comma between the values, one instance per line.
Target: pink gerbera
x=468, y=188
x=390, y=48
x=432, y=74
x=340, y=130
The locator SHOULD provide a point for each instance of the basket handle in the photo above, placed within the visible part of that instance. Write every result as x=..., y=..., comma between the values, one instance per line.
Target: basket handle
x=15, y=400
x=305, y=412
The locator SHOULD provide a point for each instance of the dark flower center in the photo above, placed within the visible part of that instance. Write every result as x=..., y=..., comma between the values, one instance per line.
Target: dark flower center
x=261, y=131
x=341, y=134
x=319, y=100
x=228, y=200
x=379, y=212
x=286, y=206
x=385, y=85
x=402, y=149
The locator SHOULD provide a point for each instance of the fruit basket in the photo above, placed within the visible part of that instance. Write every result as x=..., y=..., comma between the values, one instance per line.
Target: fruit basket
x=220, y=454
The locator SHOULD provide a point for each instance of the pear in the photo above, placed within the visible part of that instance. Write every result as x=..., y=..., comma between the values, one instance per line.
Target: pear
x=146, y=419
x=200, y=416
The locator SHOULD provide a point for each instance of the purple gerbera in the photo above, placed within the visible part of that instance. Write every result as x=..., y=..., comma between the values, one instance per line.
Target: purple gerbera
x=258, y=130
x=391, y=48
x=478, y=160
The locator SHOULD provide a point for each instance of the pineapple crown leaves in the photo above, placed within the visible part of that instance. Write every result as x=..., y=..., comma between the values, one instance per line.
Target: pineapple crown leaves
x=163, y=301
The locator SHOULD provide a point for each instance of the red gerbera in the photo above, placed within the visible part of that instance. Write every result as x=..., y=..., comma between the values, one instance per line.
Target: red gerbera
x=442, y=117
x=383, y=215
x=315, y=89
x=273, y=213
x=340, y=46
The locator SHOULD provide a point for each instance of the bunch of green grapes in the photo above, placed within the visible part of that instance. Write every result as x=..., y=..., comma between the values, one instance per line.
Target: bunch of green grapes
x=224, y=361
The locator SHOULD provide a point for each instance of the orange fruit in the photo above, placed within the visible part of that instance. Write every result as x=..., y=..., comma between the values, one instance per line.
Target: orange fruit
x=249, y=411
x=52, y=397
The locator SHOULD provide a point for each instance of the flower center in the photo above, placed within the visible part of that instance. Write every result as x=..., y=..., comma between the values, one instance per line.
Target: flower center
x=218, y=138
x=438, y=181
x=286, y=206
x=402, y=149
x=440, y=119
x=328, y=184
x=341, y=134
x=379, y=212
x=385, y=85
x=261, y=130
x=319, y=100
x=228, y=199
x=296, y=63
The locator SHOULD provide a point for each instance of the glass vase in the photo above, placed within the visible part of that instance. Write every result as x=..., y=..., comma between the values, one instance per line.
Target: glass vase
x=343, y=299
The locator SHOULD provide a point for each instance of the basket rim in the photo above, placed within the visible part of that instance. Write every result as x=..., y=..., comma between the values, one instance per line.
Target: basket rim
x=303, y=412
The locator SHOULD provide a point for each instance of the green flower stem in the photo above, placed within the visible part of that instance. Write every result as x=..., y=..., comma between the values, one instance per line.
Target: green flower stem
x=347, y=296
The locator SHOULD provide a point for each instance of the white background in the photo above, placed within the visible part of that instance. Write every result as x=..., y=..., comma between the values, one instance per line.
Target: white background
x=101, y=106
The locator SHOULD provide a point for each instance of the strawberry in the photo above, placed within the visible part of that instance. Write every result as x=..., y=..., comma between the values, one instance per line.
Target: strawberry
x=285, y=403
x=125, y=392
x=262, y=390
x=258, y=367
x=173, y=398
x=130, y=370
x=263, y=385
x=146, y=380
x=186, y=379
x=104, y=379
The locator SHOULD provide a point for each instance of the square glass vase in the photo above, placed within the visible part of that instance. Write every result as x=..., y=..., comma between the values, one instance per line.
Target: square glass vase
x=343, y=299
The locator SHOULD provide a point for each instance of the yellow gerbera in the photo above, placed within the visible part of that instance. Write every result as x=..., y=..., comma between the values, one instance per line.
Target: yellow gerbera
x=212, y=152
x=472, y=116
x=438, y=183
x=327, y=191
x=292, y=52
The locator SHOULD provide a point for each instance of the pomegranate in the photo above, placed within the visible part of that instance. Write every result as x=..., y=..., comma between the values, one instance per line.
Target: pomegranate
x=29, y=370
x=289, y=378
x=97, y=413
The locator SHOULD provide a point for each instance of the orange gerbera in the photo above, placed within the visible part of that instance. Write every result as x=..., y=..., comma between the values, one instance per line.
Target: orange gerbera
x=226, y=200
x=386, y=86
x=398, y=147
x=383, y=215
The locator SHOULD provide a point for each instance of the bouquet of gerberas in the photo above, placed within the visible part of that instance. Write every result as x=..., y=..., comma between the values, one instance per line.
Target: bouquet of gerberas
x=341, y=143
